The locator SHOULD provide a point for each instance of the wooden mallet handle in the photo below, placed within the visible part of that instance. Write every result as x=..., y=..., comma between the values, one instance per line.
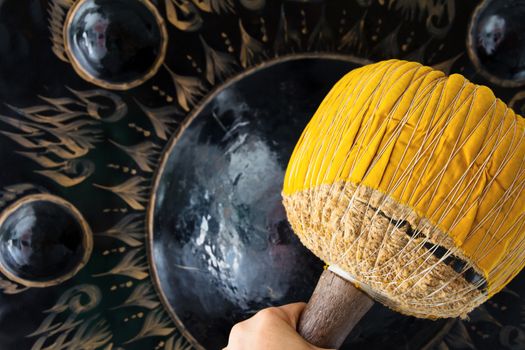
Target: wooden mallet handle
x=332, y=312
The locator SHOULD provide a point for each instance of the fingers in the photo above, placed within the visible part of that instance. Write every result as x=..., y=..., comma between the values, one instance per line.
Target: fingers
x=274, y=328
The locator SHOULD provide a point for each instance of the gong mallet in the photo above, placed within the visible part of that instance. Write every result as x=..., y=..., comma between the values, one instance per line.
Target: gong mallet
x=409, y=185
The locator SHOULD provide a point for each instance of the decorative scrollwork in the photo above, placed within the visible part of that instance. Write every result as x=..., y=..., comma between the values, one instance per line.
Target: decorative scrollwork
x=441, y=9
x=144, y=154
x=142, y=296
x=162, y=118
x=57, y=11
x=132, y=191
x=75, y=332
x=188, y=89
x=8, y=287
x=184, y=15
x=133, y=265
x=13, y=192
x=219, y=65
x=251, y=49
x=59, y=133
x=130, y=230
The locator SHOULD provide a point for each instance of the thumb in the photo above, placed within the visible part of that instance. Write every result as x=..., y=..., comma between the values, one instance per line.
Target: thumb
x=292, y=313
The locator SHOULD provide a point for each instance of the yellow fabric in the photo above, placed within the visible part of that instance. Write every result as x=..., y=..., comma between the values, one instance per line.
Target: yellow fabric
x=441, y=145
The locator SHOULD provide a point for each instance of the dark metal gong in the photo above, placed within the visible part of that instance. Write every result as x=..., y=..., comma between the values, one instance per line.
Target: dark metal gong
x=221, y=247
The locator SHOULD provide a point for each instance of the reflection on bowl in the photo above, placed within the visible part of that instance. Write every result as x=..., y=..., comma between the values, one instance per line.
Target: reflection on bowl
x=496, y=44
x=44, y=241
x=116, y=44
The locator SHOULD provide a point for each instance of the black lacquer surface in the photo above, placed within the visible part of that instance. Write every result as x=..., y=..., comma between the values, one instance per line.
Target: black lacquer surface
x=117, y=41
x=40, y=241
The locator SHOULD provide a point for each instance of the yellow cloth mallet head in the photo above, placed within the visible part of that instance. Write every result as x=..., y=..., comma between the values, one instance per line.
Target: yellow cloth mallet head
x=409, y=184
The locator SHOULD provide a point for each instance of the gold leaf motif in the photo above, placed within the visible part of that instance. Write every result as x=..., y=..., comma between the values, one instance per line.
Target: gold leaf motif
x=142, y=296
x=88, y=334
x=458, y=337
x=411, y=9
x=287, y=39
x=217, y=6
x=78, y=299
x=161, y=118
x=62, y=327
x=440, y=13
x=436, y=24
x=71, y=173
x=388, y=46
x=203, y=5
x=21, y=139
x=251, y=49
x=110, y=347
x=516, y=98
x=157, y=323
x=55, y=135
x=132, y=191
x=110, y=112
x=41, y=159
x=220, y=6
x=517, y=102
x=107, y=107
x=180, y=344
x=322, y=36
x=54, y=113
x=418, y=54
x=184, y=15
x=219, y=65
x=8, y=287
x=73, y=332
x=57, y=12
x=27, y=127
x=133, y=265
x=482, y=314
x=253, y=5
x=441, y=346
x=91, y=336
x=355, y=37
x=54, y=125
x=130, y=230
x=446, y=66
x=12, y=192
x=188, y=89
x=144, y=154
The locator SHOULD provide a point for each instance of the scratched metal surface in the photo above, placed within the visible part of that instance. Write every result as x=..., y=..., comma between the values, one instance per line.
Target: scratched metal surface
x=178, y=178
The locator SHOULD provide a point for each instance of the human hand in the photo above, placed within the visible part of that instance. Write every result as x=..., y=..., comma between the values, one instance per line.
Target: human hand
x=274, y=328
